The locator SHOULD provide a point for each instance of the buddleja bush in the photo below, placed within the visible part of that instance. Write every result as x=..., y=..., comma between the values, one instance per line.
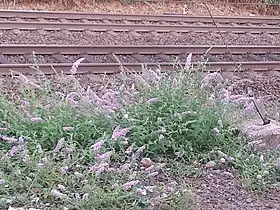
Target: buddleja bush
x=174, y=117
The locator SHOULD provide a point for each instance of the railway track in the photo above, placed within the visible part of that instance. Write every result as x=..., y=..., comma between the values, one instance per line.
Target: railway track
x=109, y=59
x=33, y=20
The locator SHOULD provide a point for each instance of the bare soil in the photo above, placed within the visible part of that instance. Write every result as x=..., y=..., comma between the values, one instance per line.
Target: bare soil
x=218, y=189
x=264, y=85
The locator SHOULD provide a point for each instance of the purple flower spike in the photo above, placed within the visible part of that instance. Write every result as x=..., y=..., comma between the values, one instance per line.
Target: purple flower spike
x=152, y=100
x=97, y=146
x=118, y=132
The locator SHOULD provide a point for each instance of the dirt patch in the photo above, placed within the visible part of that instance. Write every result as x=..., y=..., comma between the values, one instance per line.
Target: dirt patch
x=264, y=85
x=190, y=7
x=222, y=190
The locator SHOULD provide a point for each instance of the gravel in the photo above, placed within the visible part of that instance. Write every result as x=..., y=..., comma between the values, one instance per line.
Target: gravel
x=20, y=59
x=127, y=38
x=264, y=85
x=220, y=190
x=129, y=58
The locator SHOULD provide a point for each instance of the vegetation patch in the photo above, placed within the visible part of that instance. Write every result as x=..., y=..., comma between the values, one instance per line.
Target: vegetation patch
x=132, y=144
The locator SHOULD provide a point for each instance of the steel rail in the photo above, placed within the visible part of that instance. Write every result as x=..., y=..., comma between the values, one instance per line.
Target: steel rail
x=6, y=25
x=111, y=68
x=140, y=49
x=110, y=16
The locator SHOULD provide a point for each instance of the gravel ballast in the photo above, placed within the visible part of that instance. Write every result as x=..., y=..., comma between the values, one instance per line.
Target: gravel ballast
x=127, y=38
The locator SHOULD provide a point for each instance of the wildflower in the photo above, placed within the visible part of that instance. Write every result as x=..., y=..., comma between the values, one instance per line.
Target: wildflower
x=40, y=165
x=111, y=169
x=68, y=150
x=211, y=80
x=133, y=175
x=77, y=196
x=36, y=119
x=78, y=174
x=139, y=151
x=2, y=181
x=39, y=149
x=45, y=160
x=10, y=140
x=222, y=160
x=151, y=189
x=265, y=172
x=85, y=197
x=16, y=149
x=100, y=170
x=220, y=124
x=57, y=194
x=188, y=62
x=129, y=185
x=162, y=130
x=129, y=149
x=17, y=172
x=175, y=83
x=153, y=174
x=141, y=191
x=75, y=65
x=24, y=102
x=59, y=144
x=64, y=169
x=104, y=157
x=259, y=176
x=152, y=100
x=26, y=158
x=277, y=164
x=97, y=146
x=216, y=131
x=117, y=133
x=61, y=187
x=68, y=128
x=261, y=158
x=99, y=166
x=125, y=167
x=154, y=76
x=150, y=169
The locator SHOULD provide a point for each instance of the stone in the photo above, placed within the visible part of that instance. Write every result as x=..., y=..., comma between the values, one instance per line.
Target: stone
x=263, y=137
x=146, y=162
x=210, y=164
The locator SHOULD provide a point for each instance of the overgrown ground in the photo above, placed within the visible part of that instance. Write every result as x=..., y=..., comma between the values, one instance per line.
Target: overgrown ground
x=148, y=141
x=194, y=7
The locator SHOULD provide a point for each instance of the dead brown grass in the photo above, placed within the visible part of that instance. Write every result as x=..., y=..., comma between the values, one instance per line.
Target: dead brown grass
x=123, y=6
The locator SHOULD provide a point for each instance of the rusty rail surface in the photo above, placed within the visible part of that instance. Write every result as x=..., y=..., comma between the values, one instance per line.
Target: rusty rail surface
x=110, y=16
x=7, y=25
x=112, y=66
x=164, y=23
x=141, y=49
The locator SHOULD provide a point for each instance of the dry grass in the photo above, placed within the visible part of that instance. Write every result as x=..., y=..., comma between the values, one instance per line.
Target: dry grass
x=144, y=7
